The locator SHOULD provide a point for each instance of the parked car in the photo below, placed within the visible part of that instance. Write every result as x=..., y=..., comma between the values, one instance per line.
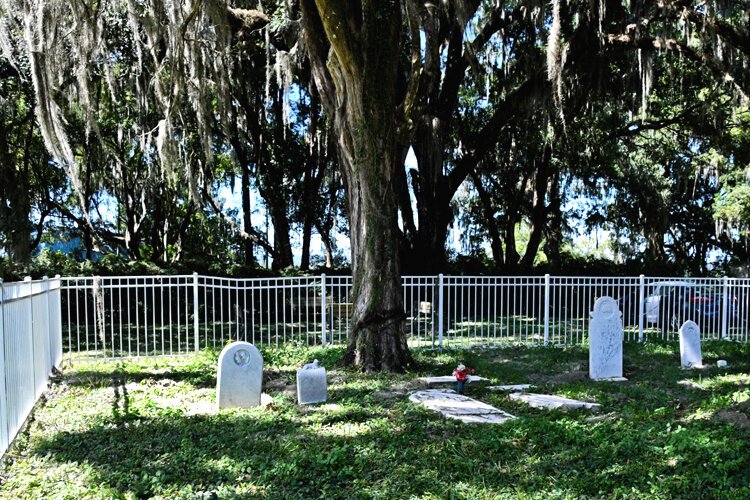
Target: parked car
x=671, y=303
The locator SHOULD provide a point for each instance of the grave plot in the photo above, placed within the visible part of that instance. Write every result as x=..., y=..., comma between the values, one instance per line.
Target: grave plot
x=548, y=402
x=460, y=407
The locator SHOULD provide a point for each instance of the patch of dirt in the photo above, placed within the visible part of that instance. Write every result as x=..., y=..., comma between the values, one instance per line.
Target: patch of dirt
x=733, y=417
x=280, y=385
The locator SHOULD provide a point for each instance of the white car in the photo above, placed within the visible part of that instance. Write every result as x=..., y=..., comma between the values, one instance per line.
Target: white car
x=659, y=289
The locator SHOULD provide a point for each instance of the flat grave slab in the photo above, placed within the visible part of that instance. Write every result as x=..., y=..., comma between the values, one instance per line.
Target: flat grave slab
x=553, y=402
x=459, y=407
x=450, y=379
x=510, y=388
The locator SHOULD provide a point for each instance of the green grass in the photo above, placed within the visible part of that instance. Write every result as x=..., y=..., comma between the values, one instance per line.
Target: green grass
x=142, y=428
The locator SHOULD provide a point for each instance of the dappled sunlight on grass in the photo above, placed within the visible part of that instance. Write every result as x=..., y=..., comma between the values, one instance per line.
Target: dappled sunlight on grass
x=724, y=380
x=653, y=437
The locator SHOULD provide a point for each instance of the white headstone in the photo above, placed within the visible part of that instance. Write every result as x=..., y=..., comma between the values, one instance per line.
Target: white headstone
x=721, y=363
x=690, y=345
x=605, y=341
x=312, y=386
x=240, y=376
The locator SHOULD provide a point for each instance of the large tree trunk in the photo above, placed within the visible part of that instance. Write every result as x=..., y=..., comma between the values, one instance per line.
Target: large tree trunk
x=554, y=230
x=433, y=198
x=353, y=47
x=247, y=210
x=15, y=205
x=539, y=210
x=496, y=244
x=282, y=245
x=325, y=237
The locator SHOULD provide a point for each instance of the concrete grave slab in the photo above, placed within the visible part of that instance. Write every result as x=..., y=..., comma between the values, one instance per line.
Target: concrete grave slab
x=459, y=407
x=510, y=388
x=450, y=379
x=553, y=402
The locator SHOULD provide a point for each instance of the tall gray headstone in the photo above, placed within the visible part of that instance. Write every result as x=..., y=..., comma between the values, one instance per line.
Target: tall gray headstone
x=312, y=386
x=240, y=376
x=690, y=345
x=605, y=340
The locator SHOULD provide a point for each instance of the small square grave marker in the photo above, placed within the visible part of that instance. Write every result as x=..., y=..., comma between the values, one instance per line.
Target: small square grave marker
x=312, y=386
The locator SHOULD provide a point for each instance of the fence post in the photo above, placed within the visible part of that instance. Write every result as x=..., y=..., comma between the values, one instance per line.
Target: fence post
x=725, y=308
x=32, y=327
x=323, y=309
x=196, y=333
x=440, y=310
x=546, y=309
x=3, y=398
x=56, y=350
x=641, y=305
x=48, y=336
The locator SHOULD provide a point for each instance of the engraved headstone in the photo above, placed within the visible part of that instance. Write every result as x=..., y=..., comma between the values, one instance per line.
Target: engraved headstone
x=690, y=345
x=312, y=386
x=240, y=376
x=605, y=341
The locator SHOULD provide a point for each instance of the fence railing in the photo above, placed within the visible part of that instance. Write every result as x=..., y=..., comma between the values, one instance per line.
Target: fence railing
x=163, y=315
x=30, y=336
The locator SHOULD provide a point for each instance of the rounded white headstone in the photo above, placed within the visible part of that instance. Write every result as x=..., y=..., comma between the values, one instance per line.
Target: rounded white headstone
x=690, y=345
x=240, y=376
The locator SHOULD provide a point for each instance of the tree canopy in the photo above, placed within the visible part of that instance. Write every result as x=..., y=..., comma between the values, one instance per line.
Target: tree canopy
x=124, y=123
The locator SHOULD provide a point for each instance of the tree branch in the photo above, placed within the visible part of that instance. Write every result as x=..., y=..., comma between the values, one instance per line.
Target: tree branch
x=479, y=144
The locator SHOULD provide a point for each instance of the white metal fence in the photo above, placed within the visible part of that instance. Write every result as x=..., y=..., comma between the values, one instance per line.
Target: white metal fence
x=162, y=315
x=30, y=336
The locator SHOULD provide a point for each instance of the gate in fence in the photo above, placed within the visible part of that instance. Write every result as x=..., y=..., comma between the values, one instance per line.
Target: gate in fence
x=163, y=315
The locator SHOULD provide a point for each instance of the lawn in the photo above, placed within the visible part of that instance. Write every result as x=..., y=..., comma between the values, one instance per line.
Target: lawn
x=146, y=428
